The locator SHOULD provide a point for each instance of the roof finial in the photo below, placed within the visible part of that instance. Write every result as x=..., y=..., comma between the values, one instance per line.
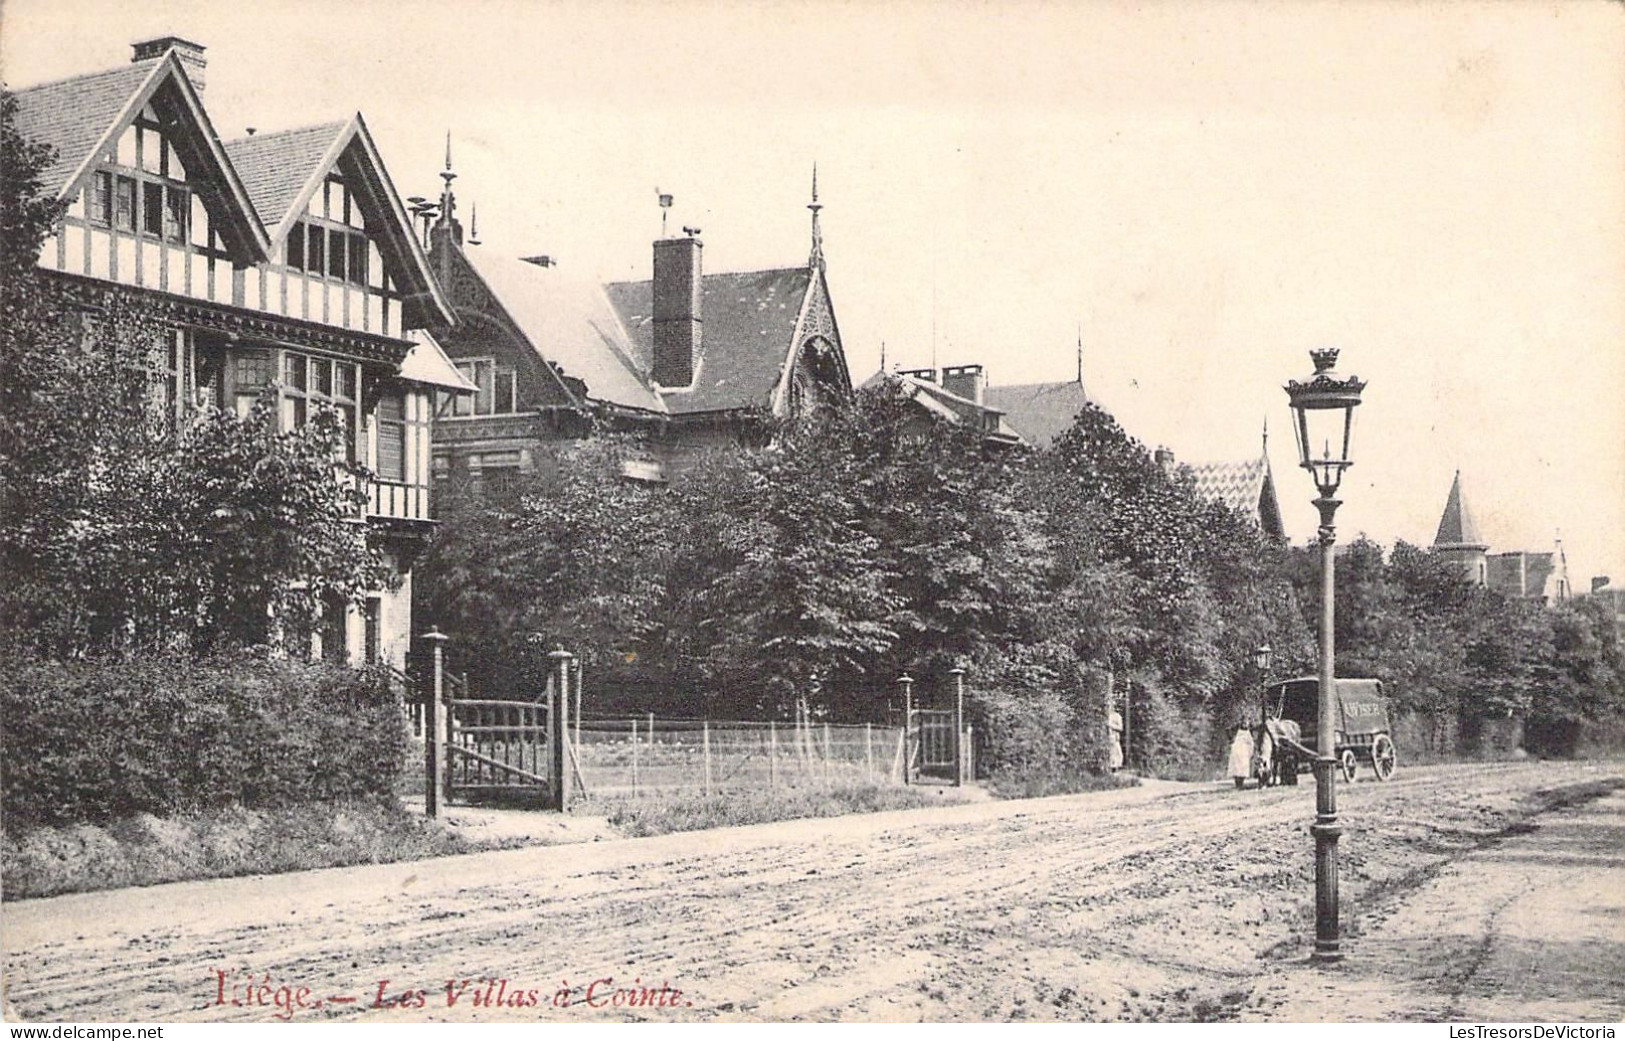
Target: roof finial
x=882, y=355
x=447, y=203
x=1080, y=354
x=816, y=258
x=1266, y=433
x=473, y=224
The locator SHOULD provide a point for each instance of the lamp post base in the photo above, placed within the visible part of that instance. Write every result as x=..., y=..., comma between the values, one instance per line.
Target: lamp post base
x=1326, y=831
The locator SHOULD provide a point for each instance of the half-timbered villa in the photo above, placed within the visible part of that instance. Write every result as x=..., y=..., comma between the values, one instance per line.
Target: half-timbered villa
x=283, y=264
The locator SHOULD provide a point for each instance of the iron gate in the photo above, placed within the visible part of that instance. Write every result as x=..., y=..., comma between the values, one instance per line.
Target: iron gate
x=935, y=743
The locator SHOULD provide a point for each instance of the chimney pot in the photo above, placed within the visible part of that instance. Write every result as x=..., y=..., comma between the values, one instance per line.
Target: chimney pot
x=191, y=55
x=966, y=381
x=678, y=323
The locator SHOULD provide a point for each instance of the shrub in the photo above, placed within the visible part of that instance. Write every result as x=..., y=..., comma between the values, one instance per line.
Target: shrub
x=97, y=741
x=1041, y=723
x=1170, y=739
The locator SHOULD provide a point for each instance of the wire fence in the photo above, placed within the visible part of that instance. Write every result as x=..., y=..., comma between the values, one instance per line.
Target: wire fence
x=647, y=755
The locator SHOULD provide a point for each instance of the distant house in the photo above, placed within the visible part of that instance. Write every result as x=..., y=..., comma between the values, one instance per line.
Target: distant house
x=282, y=264
x=686, y=359
x=1540, y=576
x=1039, y=412
x=1534, y=576
x=959, y=399
x=1247, y=487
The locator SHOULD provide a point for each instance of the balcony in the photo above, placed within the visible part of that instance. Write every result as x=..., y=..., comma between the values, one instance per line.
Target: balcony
x=398, y=501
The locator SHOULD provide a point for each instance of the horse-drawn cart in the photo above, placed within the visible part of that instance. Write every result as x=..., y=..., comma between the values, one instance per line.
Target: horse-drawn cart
x=1286, y=743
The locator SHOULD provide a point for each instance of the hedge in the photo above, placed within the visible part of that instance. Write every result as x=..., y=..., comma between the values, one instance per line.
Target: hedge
x=97, y=741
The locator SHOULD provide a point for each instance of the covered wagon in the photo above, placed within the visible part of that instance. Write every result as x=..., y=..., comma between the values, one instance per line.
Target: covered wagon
x=1287, y=742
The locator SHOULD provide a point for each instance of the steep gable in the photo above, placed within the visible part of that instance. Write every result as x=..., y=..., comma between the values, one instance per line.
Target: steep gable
x=84, y=117
x=1247, y=487
x=289, y=168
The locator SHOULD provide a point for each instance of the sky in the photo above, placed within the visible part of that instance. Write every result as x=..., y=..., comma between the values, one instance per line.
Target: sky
x=1200, y=192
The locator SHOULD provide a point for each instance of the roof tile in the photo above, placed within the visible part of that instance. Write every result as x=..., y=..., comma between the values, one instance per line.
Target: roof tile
x=749, y=321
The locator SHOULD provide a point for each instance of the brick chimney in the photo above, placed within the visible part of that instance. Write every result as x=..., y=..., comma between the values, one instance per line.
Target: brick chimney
x=1599, y=582
x=677, y=319
x=928, y=375
x=191, y=55
x=1165, y=459
x=966, y=381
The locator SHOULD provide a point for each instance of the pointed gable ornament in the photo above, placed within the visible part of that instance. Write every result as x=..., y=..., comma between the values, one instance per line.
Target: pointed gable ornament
x=815, y=260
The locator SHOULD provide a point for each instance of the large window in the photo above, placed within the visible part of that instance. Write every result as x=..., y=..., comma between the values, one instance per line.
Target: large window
x=251, y=372
x=308, y=381
x=497, y=392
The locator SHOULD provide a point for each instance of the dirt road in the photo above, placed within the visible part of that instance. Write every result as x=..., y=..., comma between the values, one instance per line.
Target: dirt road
x=1163, y=902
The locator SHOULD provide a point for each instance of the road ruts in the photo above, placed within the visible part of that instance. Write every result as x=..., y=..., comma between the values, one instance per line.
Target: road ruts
x=1101, y=906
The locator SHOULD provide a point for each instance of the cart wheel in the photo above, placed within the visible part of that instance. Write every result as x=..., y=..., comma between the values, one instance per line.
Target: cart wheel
x=1383, y=757
x=1347, y=762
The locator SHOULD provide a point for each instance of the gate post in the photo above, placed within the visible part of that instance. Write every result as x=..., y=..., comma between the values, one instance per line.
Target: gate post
x=906, y=682
x=560, y=711
x=434, y=777
x=959, y=725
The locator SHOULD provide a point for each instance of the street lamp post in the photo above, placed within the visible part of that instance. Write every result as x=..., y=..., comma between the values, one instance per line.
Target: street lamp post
x=1323, y=413
x=1263, y=655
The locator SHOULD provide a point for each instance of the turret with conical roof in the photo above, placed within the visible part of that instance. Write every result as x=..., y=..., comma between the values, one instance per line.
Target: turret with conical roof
x=1457, y=538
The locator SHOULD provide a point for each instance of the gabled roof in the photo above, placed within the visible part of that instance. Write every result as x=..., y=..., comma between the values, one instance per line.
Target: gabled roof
x=276, y=167
x=939, y=401
x=83, y=116
x=1457, y=529
x=288, y=167
x=1247, y=487
x=427, y=363
x=1039, y=412
x=569, y=323
x=73, y=115
x=749, y=323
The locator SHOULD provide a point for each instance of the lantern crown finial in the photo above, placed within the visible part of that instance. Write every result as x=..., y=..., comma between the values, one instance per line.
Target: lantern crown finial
x=1325, y=359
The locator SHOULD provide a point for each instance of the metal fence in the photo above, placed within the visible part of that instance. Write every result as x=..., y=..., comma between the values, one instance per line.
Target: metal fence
x=644, y=755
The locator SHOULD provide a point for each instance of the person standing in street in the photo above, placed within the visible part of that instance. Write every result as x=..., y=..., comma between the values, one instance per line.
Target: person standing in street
x=1241, y=755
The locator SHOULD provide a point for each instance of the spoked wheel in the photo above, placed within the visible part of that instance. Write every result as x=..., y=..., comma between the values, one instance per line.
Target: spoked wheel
x=1383, y=757
x=1346, y=761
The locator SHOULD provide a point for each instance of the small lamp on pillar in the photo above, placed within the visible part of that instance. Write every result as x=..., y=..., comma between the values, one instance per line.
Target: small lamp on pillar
x=1323, y=422
x=1263, y=657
